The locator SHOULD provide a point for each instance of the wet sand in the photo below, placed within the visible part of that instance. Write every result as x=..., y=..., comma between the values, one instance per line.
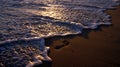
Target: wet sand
x=93, y=48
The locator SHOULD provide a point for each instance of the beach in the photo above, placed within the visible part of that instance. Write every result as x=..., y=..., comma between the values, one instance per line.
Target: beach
x=59, y=33
x=92, y=48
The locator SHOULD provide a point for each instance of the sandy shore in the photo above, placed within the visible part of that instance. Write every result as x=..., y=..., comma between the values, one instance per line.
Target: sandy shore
x=93, y=48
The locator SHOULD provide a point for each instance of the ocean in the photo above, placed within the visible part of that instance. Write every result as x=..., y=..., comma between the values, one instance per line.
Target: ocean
x=25, y=23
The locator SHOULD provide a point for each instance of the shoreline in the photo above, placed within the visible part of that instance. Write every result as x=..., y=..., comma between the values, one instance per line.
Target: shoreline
x=99, y=47
x=92, y=47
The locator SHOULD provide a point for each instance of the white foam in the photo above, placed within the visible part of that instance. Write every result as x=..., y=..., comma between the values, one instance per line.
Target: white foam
x=29, y=20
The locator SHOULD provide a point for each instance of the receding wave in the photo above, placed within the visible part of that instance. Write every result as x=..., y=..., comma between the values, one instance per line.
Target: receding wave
x=26, y=20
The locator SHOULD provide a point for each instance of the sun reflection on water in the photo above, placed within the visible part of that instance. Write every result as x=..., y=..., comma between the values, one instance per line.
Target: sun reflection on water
x=50, y=11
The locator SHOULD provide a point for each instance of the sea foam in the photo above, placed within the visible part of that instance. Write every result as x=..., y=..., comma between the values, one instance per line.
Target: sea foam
x=25, y=23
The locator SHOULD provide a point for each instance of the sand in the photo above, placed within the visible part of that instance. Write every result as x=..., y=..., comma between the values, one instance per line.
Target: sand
x=93, y=48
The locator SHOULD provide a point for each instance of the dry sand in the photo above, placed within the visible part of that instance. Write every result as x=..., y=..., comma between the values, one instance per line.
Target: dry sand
x=93, y=48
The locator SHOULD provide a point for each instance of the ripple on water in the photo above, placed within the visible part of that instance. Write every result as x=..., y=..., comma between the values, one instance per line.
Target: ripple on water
x=27, y=20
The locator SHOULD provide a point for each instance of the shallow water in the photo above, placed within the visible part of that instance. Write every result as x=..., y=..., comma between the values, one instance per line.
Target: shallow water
x=21, y=19
x=36, y=19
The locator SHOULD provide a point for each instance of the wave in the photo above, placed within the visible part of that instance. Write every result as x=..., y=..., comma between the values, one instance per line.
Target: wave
x=28, y=19
x=24, y=21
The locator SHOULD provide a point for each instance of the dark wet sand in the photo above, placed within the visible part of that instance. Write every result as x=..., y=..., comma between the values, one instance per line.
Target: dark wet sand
x=93, y=48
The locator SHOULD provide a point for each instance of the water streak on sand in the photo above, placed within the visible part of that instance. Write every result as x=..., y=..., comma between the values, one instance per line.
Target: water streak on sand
x=28, y=20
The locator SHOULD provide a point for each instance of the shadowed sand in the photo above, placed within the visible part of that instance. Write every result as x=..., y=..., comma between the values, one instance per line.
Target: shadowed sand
x=94, y=48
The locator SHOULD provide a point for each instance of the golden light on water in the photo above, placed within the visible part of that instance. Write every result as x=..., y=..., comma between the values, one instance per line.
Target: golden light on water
x=53, y=11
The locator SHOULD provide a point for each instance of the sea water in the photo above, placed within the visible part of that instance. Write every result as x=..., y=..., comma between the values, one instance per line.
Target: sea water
x=25, y=23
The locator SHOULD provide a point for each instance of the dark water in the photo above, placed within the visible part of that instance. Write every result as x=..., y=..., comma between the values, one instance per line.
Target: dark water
x=35, y=19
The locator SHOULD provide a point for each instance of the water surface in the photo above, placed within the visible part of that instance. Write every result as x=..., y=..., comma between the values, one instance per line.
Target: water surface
x=24, y=20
